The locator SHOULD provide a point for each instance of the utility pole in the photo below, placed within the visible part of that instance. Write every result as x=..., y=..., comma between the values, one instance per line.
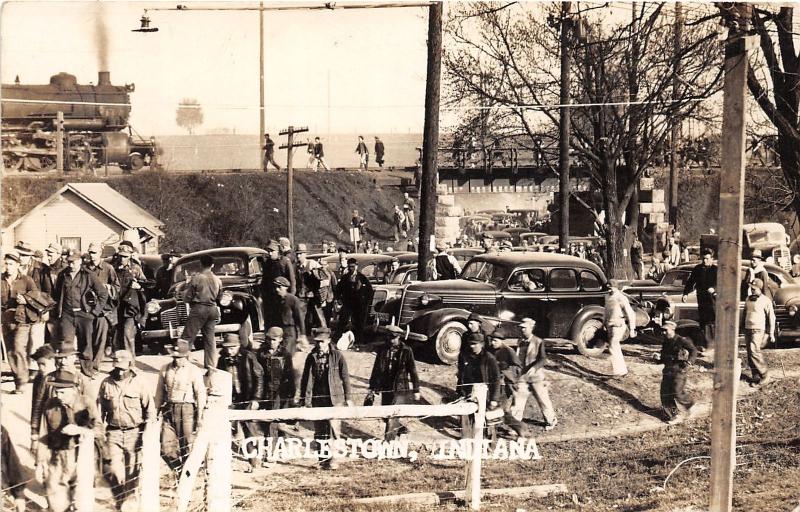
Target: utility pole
x=564, y=124
x=731, y=212
x=290, y=144
x=430, y=137
x=60, y=141
x=673, y=157
x=262, y=126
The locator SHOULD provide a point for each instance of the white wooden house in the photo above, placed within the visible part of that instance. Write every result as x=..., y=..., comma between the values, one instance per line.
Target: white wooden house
x=82, y=213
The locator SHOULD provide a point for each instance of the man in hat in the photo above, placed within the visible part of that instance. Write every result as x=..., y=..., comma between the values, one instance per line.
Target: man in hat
x=677, y=354
x=202, y=293
x=532, y=354
x=757, y=271
x=355, y=293
x=759, y=330
x=399, y=224
x=65, y=357
x=45, y=362
x=286, y=249
x=445, y=266
x=477, y=366
x=287, y=313
x=247, y=376
x=619, y=320
x=510, y=369
x=394, y=377
x=327, y=285
x=105, y=323
x=309, y=281
x=325, y=383
x=17, y=318
x=53, y=265
x=279, y=374
x=80, y=299
x=474, y=326
x=67, y=415
x=181, y=398
x=703, y=278
x=125, y=402
x=32, y=267
x=380, y=151
x=269, y=153
x=409, y=205
x=276, y=265
x=164, y=274
x=131, y=297
x=488, y=244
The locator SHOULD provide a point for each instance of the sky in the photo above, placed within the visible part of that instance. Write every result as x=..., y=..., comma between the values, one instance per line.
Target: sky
x=367, y=65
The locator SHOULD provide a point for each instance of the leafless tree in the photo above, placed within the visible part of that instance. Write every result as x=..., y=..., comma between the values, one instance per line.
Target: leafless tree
x=623, y=74
x=189, y=114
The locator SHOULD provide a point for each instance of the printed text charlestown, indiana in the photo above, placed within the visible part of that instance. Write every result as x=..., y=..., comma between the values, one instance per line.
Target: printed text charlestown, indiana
x=294, y=448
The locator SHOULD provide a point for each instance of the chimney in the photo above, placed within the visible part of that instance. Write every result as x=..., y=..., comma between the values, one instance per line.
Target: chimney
x=104, y=78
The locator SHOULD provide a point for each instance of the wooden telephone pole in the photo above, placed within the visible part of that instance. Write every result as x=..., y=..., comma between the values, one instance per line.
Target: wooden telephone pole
x=564, y=125
x=673, y=157
x=731, y=213
x=261, y=122
x=430, y=137
x=290, y=144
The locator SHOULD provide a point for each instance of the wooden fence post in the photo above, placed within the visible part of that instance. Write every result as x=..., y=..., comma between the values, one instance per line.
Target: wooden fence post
x=84, y=488
x=473, y=494
x=151, y=464
x=219, y=468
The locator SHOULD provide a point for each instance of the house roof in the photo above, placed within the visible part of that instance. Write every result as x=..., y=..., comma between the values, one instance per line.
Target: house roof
x=110, y=202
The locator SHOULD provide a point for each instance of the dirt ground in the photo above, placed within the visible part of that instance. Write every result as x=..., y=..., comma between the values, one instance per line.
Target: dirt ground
x=611, y=448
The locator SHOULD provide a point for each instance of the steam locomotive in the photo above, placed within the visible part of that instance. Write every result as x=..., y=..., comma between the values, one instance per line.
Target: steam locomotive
x=95, y=126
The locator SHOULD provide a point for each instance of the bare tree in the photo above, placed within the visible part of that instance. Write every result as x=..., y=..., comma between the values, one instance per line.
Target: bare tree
x=774, y=81
x=189, y=114
x=623, y=78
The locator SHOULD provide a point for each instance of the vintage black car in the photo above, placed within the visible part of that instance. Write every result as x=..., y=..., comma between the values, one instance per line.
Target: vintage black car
x=239, y=269
x=564, y=294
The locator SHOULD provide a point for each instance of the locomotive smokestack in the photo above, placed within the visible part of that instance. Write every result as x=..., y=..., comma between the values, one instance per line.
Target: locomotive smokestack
x=104, y=78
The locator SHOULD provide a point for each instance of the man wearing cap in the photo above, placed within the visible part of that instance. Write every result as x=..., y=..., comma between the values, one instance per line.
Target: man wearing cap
x=703, y=278
x=309, y=283
x=181, y=399
x=164, y=274
x=67, y=415
x=286, y=313
x=45, y=362
x=286, y=249
x=445, y=266
x=619, y=319
x=131, y=298
x=279, y=375
x=16, y=317
x=52, y=266
x=488, y=244
x=677, y=354
x=276, y=265
x=104, y=324
x=532, y=380
x=80, y=298
x=65, y=357
x=247, y=379
x=399, y=224
x=759, y=330
x=474, y=327
x=757, y=271
x=327, y=285
x=510, y=369
x=202, y=293
x=125, y=403
x=32, y=267
x=325, y=383
x=355, y=293
x=394, y=376
x=409, y=205
x=475, y=366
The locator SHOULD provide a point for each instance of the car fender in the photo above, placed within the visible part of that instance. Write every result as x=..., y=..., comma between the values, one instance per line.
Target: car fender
x=252, y=306
x=584, y=314
x=428, y=323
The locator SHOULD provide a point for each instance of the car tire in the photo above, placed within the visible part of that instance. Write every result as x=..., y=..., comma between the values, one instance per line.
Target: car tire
x=447, y=343
x=589, y=337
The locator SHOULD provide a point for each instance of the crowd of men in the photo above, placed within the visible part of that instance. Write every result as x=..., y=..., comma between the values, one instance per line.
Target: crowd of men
x=315, y=151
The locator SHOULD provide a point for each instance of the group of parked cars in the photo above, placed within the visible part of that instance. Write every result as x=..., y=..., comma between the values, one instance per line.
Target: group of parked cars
x=564, y=294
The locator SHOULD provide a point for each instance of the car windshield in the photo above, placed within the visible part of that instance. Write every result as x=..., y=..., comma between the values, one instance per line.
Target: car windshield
x=484, y=272
x=776, y=236
x=674, y=278
x=223, y=266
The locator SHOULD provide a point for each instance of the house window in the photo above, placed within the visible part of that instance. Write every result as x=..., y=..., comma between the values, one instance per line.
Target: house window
x=71, y=242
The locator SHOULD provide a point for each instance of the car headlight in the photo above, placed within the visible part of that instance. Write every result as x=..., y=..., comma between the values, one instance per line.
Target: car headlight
x=425, y=299
x=792, y=310
x=226, y=299
x=153, y=307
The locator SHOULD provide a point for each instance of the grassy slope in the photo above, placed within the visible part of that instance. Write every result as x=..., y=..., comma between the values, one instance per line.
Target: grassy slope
x=207, y=210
